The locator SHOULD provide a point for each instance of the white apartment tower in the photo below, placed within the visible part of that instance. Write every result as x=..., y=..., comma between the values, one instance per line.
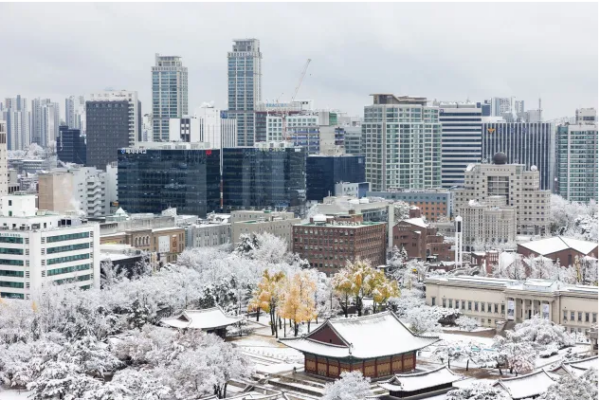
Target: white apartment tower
x=517, y=187
x=45, y=120
x=169, y=94
x=40, y=248
x=402, y=143
x=18, y=122
x=75, y=112
x=244, y=84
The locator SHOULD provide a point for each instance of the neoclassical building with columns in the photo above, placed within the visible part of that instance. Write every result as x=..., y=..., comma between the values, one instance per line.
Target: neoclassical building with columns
x=492, y=300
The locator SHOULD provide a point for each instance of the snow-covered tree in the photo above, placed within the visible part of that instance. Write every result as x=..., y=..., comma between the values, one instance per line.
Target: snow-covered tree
x=518, y=357
x=297, y=299
x=351, y=386
x=584, y=387
x=401, y=210
x=467, y=323
x=477, y=391
x=422, y=321
x=540, y=331
x=446, y=352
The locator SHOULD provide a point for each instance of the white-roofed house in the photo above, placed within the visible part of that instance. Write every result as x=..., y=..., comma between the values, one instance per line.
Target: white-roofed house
x=378, y=345
x=431, y=383
x=559, y=247
x=210, y=320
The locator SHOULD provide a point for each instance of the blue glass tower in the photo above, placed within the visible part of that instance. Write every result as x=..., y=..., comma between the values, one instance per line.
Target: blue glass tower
x=169, y=94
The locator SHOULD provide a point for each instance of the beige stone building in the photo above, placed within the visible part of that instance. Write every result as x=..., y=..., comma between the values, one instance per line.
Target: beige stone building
x=519, y=188
x=276, y=223
x=491, y=221
x=55, y=191
x=492, y=301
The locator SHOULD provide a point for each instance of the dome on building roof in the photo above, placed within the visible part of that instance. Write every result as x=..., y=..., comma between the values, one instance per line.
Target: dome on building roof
x=500, y=158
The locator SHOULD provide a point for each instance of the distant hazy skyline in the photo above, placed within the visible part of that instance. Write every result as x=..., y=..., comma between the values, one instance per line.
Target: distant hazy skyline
x=442, y=51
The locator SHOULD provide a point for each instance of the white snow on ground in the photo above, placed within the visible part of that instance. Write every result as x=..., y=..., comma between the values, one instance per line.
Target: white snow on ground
x=14, y=394
x=458, y=329
x=278, y=368
x=256, y=345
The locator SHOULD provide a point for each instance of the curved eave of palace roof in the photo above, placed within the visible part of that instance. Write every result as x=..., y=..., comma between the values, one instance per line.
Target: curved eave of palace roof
x=210, y=318
x=420, y=380
x=371, y=336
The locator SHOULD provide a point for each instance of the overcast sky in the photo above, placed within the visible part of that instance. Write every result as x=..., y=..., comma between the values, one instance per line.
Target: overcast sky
x=442, y=51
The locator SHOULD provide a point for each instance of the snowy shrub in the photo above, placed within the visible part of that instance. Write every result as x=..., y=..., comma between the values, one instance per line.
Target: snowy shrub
x=549, y=351
x=584, y=387
x=477, y=391
x=351, y=386
x=541, y=332
x=467, y=323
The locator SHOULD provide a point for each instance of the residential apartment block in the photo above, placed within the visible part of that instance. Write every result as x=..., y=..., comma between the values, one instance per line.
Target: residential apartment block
x=402, y=143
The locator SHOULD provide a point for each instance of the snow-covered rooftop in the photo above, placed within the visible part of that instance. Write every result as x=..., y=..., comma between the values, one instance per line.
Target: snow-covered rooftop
x=370, y=336
x=529, y=385
x=559, y=243
x=420, y=380
x=584, y=364
x=416, y=221
x=210, y=318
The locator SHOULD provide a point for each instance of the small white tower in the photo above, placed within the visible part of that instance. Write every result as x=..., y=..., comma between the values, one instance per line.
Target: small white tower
x=458, y=241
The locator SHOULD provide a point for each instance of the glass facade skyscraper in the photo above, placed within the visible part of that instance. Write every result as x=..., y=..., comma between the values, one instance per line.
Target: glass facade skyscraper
x=152, y=180
x=244, y=87
x=169, y=94
x=577, y=162
x=523, y=143
x=323, y=172
x=461, y=141
x=107, y=130
x=71, y=146
x=267, y=176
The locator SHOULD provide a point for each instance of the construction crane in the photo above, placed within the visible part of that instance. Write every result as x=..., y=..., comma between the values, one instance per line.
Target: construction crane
x=286, y=113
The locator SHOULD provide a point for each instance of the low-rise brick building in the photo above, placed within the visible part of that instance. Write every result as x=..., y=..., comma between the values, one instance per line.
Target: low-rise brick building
x=421, y=240
x=327, y=242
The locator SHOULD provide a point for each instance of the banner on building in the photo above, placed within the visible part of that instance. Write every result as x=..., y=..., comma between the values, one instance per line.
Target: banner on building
x=510, y=310
x=546, y=311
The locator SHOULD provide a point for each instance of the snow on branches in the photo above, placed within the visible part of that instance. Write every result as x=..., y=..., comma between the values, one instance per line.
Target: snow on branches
x=351, y=386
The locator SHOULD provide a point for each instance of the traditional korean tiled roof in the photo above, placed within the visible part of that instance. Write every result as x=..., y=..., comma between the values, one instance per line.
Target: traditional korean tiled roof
x=371, y=336
x=420, y=380
x=530, y=385
x=207, y=319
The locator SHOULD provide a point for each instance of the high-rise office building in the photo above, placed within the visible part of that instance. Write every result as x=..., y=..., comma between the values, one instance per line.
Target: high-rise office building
x=353, y=140
x=461, y=140
x=270, y=175
x=107, y=131
x=45, y=120
x=75, y=112
x=577, y=158
x=17, y=115
x=169, y=94
x=244, y=75
x=323, y=172
x=134, y=110
x=71, y=146
x=158, y=176
x=402, y=143
x=3, y=160
x=516, y=185
x=531, y=144
x=42, y=249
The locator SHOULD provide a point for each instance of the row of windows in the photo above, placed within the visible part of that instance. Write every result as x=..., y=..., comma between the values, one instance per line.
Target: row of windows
x=70, y=236
x=18, y=285
x=66, y=270
x=16, y=274
x=4, y=239
x=53, y=261
x=11, y=262
x=71, y=247
x=11, y=251
x=78, y=279
x=581, y=316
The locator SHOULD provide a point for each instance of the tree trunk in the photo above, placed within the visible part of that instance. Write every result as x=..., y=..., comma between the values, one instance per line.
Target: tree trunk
x=448, y=362
x=346, y=307
x=358, y=306
x=279, y=322
x=468, y=365
x=257, y=314
x=225, y=390
x=309, y=326
x=295, y=329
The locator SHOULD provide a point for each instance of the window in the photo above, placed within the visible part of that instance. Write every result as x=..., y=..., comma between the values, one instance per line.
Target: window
x=565, y=315
x=469, y=306
x=579, y=317
x=444, y=303
x=463, y=304
x=572, y=315
x=587, y=317
x=433, y=301
x=72, y=236
x=11, y=240
x=594, y=319
x=476, y=306
x=502, y=309
x=495, y=308
x=457, y=303
x=60, y=249
x=68, y=259
x=490, y=308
